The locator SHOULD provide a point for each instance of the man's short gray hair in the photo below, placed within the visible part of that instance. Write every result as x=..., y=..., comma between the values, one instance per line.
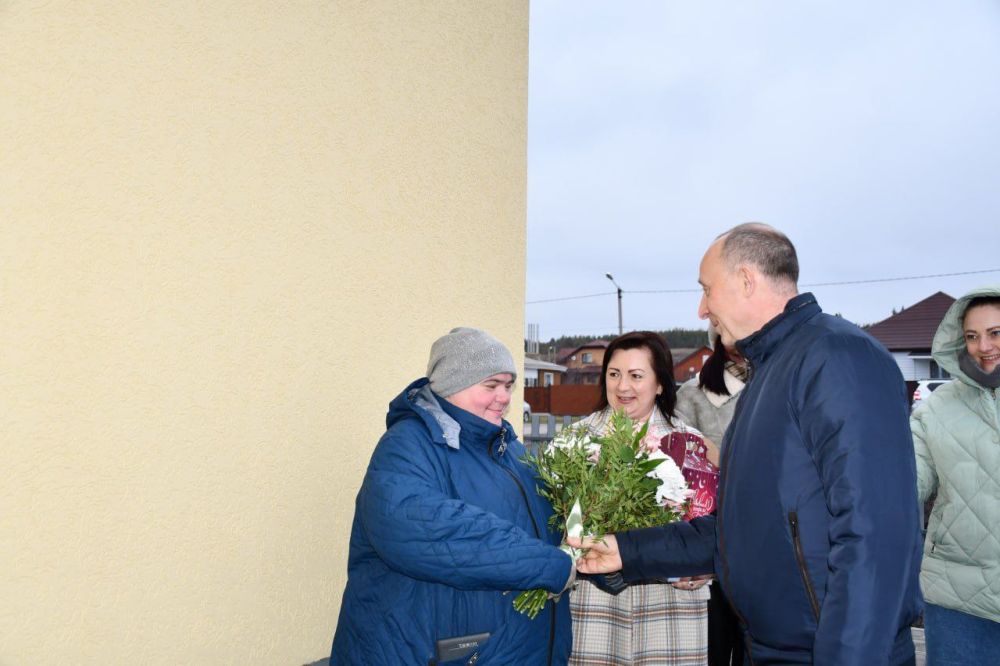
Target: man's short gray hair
x=762, y=246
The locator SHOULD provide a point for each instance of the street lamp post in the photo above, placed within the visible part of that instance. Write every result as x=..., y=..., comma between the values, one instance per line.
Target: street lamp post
x=620, y=329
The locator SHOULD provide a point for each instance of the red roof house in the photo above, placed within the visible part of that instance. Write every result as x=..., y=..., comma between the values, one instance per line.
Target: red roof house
x=688, y=362
x=908, y=335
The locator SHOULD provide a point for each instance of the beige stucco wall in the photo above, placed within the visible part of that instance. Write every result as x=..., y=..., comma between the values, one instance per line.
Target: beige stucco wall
x=229, y=232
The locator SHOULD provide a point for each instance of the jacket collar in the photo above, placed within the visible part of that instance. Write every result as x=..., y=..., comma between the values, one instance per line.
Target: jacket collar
x=758, y=346
x=473, y=428
x=446, y=423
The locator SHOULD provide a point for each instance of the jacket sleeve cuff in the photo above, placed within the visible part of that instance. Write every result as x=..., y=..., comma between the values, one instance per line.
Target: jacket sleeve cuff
x=611, y=583
x=572, y=576
x=667, y=551
x=569, y=581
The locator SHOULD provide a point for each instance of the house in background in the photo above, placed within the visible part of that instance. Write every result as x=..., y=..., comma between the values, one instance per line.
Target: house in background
x=688, y=362
x=583, y=363
x=542, y=373
x=577, y=392
x=908, y=335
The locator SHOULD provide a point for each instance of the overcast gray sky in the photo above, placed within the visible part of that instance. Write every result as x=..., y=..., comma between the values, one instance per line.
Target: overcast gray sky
x=869, y=132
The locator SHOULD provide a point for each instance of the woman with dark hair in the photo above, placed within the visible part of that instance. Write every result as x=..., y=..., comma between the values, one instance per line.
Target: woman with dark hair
x=956, y=435
x=707, y=403
x=651, y=623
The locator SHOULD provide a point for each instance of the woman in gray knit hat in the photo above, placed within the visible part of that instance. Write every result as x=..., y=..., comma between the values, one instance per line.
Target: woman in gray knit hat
x=447, y=522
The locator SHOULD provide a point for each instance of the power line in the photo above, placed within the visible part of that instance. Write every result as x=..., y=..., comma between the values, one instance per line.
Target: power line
x=897, y=279
x=572, y=298
x=664, y=291
x=814, y=284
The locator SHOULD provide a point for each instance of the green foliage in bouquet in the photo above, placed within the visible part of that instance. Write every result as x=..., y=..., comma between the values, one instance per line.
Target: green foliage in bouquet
x=615, y=491
x=610, y=476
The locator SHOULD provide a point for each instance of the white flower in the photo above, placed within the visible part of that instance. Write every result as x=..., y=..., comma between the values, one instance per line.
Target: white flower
x=561, y=441
x=673, y=487
x=575, y=438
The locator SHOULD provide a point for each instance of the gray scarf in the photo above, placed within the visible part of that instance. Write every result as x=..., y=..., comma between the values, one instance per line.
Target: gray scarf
x=977, y=374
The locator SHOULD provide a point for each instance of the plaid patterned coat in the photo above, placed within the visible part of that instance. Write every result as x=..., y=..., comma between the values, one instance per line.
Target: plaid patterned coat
x=651, y=623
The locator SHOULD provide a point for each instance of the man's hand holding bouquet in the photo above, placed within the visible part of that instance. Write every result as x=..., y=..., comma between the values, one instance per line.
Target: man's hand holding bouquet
x=602, y=485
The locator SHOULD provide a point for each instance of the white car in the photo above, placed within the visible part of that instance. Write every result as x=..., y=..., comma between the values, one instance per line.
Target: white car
x=925, y=388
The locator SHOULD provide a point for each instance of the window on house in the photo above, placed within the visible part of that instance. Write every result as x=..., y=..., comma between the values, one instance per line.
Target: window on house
x=588, y=357
x=530, y=381
x=549, y=379
x=936, y=372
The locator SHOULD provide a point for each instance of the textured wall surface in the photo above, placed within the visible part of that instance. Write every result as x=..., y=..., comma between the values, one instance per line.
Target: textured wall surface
x=229, y=232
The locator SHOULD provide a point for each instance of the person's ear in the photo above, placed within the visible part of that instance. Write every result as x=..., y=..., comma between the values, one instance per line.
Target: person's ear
x=748, y=280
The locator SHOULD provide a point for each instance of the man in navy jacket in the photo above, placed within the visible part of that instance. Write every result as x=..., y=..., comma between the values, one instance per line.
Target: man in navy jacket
x=816, y=540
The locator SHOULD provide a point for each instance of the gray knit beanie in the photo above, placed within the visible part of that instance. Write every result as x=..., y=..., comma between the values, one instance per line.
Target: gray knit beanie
x=464, y=357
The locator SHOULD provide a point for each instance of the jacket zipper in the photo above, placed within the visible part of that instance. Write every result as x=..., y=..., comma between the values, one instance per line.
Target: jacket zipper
x=793, y=522
x=534, y=526
x=719, y=529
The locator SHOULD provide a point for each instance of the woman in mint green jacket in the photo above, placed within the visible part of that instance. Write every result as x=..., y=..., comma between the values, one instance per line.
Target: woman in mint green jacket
x=956, y=435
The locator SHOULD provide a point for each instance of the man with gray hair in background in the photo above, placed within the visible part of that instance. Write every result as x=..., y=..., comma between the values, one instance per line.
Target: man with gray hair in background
x=816, y=540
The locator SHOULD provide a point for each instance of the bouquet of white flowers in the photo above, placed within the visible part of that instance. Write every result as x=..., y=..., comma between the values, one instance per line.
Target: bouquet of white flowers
x=607, y=484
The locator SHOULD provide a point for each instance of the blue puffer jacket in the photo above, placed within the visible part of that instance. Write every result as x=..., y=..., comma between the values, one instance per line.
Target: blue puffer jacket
x=816, y=538
x=446, y=521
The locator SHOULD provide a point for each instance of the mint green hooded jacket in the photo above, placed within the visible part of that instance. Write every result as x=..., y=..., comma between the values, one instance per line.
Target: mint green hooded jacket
x=956, y=435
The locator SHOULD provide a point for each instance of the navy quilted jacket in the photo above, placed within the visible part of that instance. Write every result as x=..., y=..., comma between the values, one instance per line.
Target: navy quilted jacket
x=446, y=521
x=817, y=536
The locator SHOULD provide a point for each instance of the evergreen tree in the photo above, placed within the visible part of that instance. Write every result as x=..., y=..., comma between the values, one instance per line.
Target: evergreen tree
x=676, y=338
